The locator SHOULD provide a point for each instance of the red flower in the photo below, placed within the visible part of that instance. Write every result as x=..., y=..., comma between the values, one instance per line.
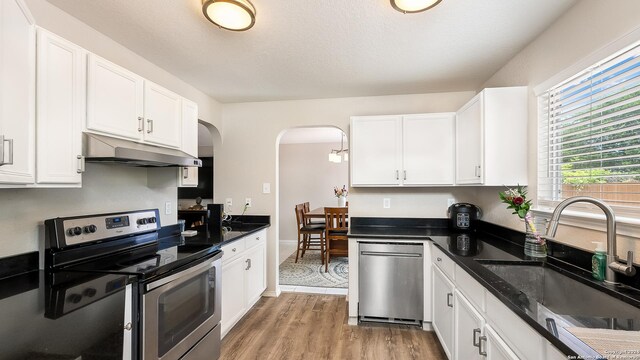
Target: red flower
x=518, y=200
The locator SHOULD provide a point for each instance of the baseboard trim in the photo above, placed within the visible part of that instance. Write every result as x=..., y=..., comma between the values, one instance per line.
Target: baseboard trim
x=273, y=294
x=289, y=242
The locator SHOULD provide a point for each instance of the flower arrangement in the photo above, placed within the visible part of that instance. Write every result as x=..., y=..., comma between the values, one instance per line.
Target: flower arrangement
x=517, y=200
x=341, y=192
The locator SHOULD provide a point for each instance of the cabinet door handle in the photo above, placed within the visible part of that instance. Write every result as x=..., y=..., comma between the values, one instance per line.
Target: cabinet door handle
x=257, y=238
x=248, y=261
x=438, y=259
x=233, y=250
x=405, y=174
x=477, y=171
x=185, y=173
x=149, y=126
x=80, y=169
x=482, y=340
x=2, y=141
x=397, y=175
x=140, y=123
x=476, y=341
x=449, y=296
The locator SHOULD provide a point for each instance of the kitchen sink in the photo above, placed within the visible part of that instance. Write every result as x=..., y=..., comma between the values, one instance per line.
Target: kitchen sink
x=561, y=294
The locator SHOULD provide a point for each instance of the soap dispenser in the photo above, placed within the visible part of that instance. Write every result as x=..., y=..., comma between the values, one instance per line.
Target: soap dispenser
x=599, y=261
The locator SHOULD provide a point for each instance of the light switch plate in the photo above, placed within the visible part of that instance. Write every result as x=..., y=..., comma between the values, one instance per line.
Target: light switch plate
x=266, y=188
x=386, y=203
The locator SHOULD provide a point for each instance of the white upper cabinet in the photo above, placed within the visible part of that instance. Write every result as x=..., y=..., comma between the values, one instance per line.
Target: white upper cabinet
x=190, y=127
x=375, y=150
x=114, y=100
x=61, y=110
x=402, y=150
x=491, y=138
x=427, y=148
x=123, y=104
x=162, y=112
x=17, y=93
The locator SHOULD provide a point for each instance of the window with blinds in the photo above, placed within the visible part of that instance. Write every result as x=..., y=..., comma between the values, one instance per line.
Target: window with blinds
x=589, y=135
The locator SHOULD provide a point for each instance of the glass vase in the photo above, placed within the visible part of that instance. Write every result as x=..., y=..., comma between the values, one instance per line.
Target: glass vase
x=534, y=244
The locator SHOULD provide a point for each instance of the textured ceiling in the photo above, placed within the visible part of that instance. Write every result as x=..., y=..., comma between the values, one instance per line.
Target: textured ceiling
x=301, y=49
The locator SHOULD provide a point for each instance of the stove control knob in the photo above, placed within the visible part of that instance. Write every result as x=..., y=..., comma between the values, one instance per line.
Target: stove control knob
x=152, y=220
x=90, y=292
x=74, y=298
x=74, y=231
x=90, y=229
x=142, y=221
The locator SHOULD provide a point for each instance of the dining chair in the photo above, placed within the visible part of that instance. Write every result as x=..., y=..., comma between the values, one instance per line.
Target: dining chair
x=336, y=233
x=305, y=232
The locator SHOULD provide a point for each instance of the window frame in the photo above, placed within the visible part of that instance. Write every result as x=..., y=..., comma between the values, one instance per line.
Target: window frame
x=581, y=214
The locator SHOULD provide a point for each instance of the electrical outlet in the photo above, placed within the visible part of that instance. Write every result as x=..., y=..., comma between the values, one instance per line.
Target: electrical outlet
x=247, y=202
x=450, y=201
x=266, y=188
x=228, y=203
x=167, y=208
x=386, y=203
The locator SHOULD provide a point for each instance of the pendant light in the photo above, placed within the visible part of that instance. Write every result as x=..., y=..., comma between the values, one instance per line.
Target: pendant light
x=413, y=6
x=336, y=156
x=234, y=15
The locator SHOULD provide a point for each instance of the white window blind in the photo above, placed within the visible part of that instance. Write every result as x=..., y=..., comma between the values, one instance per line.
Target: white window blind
x=589, y=134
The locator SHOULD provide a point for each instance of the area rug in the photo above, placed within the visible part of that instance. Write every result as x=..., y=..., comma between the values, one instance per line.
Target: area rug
x=309, y=271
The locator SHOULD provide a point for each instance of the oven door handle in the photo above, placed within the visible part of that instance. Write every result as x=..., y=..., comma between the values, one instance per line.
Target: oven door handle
x=208, y=264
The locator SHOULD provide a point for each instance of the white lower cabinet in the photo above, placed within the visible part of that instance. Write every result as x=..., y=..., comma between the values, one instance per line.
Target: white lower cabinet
x=467, y=331
x=495, y=347
x=244, y=277
x=232, y=291
x=468, y=327
x=443, y=310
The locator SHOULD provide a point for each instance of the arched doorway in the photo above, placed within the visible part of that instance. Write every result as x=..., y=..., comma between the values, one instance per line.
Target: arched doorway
x=306, y=174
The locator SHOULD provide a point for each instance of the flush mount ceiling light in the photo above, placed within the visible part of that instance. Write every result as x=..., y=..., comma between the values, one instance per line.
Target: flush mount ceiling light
x=235, y=15
x=413, y=6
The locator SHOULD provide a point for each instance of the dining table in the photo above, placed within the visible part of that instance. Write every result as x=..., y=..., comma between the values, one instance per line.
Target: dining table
x=318, y=213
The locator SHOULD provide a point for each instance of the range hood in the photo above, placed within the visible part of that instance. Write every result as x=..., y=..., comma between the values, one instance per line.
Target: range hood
x=105, y=149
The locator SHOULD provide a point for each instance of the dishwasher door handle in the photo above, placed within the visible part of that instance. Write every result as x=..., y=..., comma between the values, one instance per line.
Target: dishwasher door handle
x=390, y=254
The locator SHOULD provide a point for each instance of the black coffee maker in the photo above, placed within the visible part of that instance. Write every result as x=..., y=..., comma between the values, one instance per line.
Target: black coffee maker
x=463, y=217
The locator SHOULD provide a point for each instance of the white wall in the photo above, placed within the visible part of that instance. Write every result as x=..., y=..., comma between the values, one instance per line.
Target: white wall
x=307, y=175
x=586, y=29
x=106, y=188
x=248, y=156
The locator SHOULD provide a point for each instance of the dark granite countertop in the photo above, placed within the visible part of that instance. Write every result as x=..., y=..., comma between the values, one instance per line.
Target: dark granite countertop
x=34, y=327
x=483, y=255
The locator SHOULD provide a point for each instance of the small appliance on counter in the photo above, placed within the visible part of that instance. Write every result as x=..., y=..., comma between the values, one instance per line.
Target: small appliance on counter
x=463, y=217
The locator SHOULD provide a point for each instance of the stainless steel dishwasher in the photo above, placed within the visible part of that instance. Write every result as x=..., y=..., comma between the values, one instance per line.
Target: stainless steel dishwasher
x=391, y=282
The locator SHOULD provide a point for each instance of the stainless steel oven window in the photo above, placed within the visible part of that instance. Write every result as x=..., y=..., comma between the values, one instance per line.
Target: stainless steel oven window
x=182, y=310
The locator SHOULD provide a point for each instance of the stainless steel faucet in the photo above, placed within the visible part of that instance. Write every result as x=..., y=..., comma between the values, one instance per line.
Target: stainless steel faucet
x=612, y=257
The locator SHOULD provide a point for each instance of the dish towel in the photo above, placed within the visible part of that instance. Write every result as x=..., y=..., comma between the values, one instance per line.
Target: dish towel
x=612, y=344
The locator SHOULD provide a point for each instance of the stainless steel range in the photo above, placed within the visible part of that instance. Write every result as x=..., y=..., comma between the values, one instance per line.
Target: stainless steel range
x=170, y=290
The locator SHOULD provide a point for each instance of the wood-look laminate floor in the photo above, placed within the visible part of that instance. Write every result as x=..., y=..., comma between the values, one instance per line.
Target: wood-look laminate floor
x=309, y=326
